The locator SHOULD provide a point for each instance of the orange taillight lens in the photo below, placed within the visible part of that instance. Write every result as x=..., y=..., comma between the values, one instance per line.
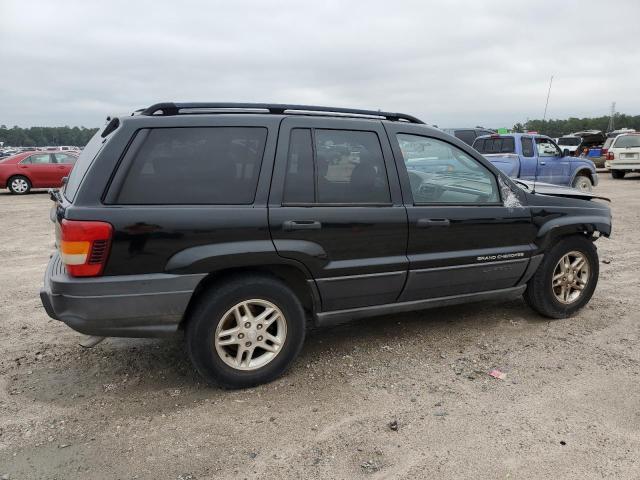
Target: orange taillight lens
x=84, y=246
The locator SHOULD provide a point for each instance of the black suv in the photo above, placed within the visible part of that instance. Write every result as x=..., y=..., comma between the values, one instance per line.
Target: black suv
x=236, y=223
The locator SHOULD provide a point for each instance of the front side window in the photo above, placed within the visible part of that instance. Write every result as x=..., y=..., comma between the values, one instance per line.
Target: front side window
x=527, y=147
x=335, y=167
x=546, y=148
x=64, y=158
x=198, y=165
x=440, y=173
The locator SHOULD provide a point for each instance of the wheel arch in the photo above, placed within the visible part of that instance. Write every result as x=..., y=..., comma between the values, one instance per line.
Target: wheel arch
x=587, y=226
x=585, y=172
x=294, y=276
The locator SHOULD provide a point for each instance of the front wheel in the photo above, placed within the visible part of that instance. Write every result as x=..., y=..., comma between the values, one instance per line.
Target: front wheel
x=566, y=278
x=19, y=185
x=582, y=183
x=245, y=332
x=617, y=174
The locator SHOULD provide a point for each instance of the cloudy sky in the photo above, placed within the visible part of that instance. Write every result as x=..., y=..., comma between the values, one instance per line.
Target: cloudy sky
x=453, y=63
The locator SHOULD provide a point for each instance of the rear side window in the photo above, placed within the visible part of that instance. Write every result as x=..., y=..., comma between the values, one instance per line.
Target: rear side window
x=82, y=164
x=203, y=165
x=495, y=145
x=527, y=147
x=467, y=136
x=342, y=167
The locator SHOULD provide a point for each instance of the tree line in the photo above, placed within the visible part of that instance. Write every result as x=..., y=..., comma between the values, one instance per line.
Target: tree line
x=557, y=128
x=45, y=136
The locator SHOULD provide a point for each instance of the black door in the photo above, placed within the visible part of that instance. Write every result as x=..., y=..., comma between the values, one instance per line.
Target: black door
x=467, y=233
x=335, y=206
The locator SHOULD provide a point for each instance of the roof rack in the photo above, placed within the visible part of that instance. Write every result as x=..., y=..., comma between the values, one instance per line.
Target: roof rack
x=169, y=108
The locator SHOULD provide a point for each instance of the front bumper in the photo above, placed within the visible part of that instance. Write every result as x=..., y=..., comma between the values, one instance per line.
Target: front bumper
x=150, y=305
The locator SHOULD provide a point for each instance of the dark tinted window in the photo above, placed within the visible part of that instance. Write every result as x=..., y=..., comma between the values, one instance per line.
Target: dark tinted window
x=467, y=136
x=350, y=167
x=495, y=145
x=299, y=184
x=527, y=147
x=211, y=165
x=442, y=173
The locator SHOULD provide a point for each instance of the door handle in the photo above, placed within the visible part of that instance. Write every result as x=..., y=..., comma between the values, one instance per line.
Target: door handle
x=433, y=222
x=291, y=225
x=542, y=162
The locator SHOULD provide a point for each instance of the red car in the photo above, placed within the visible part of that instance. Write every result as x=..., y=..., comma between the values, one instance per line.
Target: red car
x=20, y=173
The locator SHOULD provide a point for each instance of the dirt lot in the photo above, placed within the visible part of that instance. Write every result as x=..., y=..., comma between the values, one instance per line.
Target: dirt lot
x=568, y=408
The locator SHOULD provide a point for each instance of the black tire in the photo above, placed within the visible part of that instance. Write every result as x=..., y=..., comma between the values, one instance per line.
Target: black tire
x=583, y=183
x=539, y=293
x=209, y=312
x=13, y=188
x=617, y=174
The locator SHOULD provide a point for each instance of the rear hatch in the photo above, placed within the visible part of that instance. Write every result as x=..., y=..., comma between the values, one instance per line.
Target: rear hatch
x=626, y=150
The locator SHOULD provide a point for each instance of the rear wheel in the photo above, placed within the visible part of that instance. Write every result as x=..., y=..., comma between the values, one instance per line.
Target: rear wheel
x=566, y=279
x=19, y=185
x=583, y=183
x=618, y=173
x=245, y=332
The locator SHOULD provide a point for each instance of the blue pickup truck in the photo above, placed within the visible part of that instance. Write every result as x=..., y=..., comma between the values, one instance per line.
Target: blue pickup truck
x=537, y=158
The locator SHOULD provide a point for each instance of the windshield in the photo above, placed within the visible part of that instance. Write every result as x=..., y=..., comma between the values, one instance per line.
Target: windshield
x=569, y=141
x=82, y=165
x=495, y=145
x=627, y=141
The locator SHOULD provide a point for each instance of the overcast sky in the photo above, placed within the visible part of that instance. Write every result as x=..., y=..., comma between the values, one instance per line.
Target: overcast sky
x=451, y=63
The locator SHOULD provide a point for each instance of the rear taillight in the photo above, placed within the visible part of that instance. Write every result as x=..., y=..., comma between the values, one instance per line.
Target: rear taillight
x=84, y=246
x=610, y=156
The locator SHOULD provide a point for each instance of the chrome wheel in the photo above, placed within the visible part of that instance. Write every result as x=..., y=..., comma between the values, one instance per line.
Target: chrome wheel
x=19, y=185
x=583, y=184
x=570, y=277
x=250, y=334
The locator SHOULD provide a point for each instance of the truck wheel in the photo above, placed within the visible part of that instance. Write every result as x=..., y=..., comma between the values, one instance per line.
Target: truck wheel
x=245, y=331
x=566, y=278
x=582, y=183
x=19, y=185
x=617, y=174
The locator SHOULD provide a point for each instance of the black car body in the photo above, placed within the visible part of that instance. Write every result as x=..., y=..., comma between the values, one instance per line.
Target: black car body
x=324, y=204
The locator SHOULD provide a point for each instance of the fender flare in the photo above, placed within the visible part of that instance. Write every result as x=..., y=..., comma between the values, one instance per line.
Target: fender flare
x=581, y=225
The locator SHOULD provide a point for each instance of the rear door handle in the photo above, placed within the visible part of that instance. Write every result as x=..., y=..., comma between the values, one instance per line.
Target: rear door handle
x=543, y=162
x=291, y=225
x=433, y=222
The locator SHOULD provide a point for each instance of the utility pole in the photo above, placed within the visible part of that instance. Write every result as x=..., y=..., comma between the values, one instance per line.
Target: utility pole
x=544, y=117
x=611, y=126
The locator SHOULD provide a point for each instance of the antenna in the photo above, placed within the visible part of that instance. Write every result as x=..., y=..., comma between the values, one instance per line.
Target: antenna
x=611, y=127
x=544, y=117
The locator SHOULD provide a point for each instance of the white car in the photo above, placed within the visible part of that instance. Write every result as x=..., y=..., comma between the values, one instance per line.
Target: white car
x=570, y=143
x=623, y=155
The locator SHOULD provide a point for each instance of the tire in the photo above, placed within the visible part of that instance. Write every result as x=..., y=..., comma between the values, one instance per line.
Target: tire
x=214, y=313
x=582, y=183
x=540, y=293
x=617, y=174
x=19, y=185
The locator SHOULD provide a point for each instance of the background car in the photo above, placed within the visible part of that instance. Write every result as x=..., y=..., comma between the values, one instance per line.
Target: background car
x=569, y=143
x=624, y=155
x=20, y=173
x=468, y=135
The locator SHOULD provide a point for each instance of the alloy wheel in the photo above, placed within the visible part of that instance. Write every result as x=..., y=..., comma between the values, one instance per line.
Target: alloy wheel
x=570, y=277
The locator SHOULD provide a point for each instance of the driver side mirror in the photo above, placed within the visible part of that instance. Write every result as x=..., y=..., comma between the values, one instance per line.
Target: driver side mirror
x=566, y=152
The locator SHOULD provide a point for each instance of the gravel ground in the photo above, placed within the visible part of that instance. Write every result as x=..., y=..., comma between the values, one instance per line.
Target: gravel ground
x=403, y=396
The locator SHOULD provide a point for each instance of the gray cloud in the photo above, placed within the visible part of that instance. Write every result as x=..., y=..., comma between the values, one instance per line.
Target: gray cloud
x=450, y=63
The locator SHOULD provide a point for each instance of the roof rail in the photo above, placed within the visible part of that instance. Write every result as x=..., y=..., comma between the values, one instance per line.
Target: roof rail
x=169, y=108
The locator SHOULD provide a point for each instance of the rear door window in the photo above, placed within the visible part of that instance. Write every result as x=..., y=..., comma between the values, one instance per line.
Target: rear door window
x=198, y=165
x=467, y=136
x=527, y=147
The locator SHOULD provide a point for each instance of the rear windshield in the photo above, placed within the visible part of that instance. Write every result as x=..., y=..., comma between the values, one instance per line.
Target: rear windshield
x=625, y=141
x=495, y=145
x=569, y=141
x=82, y=165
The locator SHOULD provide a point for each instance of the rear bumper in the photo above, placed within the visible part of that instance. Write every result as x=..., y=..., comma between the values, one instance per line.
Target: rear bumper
x=117, y=306
x=635, y=166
